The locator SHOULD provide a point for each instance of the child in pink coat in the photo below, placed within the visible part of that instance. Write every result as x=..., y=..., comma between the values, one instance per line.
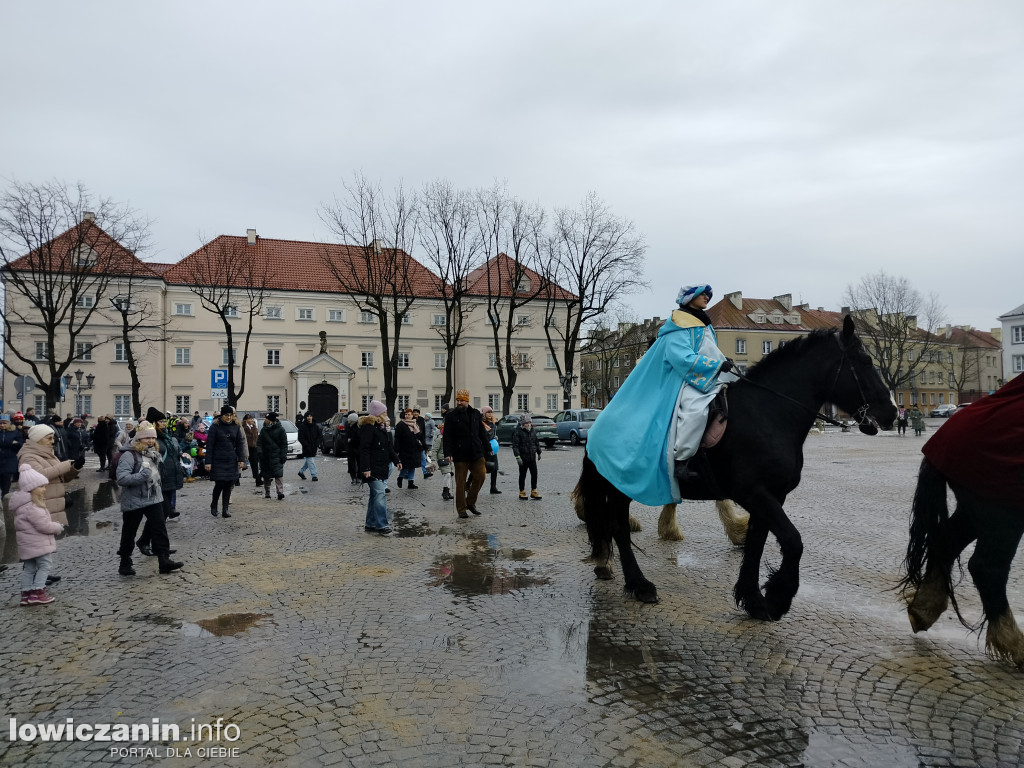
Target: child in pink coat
x=34, y=530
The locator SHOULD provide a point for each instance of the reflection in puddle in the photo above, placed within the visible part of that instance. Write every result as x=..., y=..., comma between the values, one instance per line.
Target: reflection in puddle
x=225, y=625
x=406, y=528
x=487, y=570
x=833, y=749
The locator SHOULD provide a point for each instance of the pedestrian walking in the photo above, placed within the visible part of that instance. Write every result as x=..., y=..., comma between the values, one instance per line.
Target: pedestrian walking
x=101, y=444
x=376, y=454
x=272, y=446
x=309, y=439
x=138, y=475
x=225, y=458
x=901, y=421
x=526, y=449
x=491, y=464
x=252, y=434
x=466, y=444
x=410, y=447
x=172, y=478
x=11, y=440
x=917, y=420
x=426, y=425
x=34, y=530
x=352, y=448
x=443, y=464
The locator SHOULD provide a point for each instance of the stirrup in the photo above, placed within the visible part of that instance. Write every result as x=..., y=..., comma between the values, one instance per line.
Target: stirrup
x=684, y=474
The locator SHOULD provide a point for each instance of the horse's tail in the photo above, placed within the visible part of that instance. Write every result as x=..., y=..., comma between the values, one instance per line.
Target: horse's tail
x=929, y=513
x=590, y=496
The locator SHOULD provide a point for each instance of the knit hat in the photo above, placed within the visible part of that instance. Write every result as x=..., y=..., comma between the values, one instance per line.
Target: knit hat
x=487, y=409
x=445, y=408
x=526, y=418
x=226, y=410
x=5, y=417
x=353, y=417
x=689, y=292
x=271, y=416
x=29, y=479
x=377, y=408
x=145, y=429
x=18, y=417
x=428, y=415
x=38, y=432
x=462, y=394
x=153, y=415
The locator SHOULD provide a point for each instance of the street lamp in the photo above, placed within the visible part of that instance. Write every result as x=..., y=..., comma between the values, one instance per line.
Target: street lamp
x=567, y=380
x=79, y=387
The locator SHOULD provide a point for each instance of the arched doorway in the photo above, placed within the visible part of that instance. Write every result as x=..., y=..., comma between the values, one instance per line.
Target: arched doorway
x=323, y=401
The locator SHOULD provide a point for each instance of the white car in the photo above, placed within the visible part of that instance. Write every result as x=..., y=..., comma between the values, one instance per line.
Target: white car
x=294, y=449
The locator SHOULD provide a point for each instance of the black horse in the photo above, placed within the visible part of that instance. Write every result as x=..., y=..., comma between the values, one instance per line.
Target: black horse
x=758, y=461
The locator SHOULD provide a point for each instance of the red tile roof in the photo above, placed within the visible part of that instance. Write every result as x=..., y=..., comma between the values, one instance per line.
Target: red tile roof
x=57, y=255
x=726, y=316
x=500, y=275
x=972, y=337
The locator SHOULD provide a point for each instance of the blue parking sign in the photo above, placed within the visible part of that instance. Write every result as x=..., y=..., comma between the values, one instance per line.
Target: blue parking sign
x=218, y=379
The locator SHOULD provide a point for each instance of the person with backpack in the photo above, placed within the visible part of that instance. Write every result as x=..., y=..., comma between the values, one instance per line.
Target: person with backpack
x=138, y=475
x=172, y=478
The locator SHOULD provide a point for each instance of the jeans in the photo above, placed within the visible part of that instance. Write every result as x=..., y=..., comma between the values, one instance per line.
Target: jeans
x=407, y=473
x=376, y=507
x=311, y=464
x=34, y=572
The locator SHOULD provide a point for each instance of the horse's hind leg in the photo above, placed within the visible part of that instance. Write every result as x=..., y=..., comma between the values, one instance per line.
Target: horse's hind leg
x=636, y=584
x=990, y=568
x=735, y=523
x=931, y=598
x=668, y=528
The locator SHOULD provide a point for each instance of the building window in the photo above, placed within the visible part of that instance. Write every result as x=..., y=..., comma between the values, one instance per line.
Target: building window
x=741, y=346
x=552, y=402
x=83, y=404
x=615, y=383
x=899, y=399
x=492, y=360
x=366, y=317
x=230, y=311
x=83, y=350
x=1018, y=334
x=766, y=347
x=1018, y=363
x=365, y=403
x=121, y=303
x=522, y=361
x=183, y=404
x=494, y=401
x=522, y=320
x=407, y=319
x=183, y=309
x=439, y=320
x=523, y=402
x=224, y=357
x=120, y=353
x=274, y=403
x=366, y=360
x=336, y=315
x=304, y=313
x=183, y=356
x=272, y=313
x=402, y=360
x=86, y=301
x=440, y=359
x=910, y=355
x=122, y=405
x=401, y=403
x=550, y=362
x=42, y=350
x=273, y=357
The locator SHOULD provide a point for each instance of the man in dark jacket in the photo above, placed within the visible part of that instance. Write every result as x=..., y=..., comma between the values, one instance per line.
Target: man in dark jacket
x=309, y=439
x=376, y=452
x=465, y=444
x=11, y=440
x=102, y=441
x=272, y=445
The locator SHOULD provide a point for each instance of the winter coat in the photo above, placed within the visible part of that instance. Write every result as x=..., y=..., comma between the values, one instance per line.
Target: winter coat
x=11, y=441
x=42, y=459
x=427, y=427
x=139, y=479
x=525, y=445
x=225, y=450
x=33, y=527
x=273, y=448
x=252, y=433
x=465, y=438
x=375, y=449
x=309, y=438
x=408, y=445
x=916, y=418
x=76, y=447
x=172, y=474
x=437, y=453
x=60, y=443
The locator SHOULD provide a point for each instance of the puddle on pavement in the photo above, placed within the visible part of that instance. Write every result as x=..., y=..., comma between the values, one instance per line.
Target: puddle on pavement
x=406, y=528
x=833, y=749
x=83, y=502
x=158, y=619
x=224, y=626
x=486, y=570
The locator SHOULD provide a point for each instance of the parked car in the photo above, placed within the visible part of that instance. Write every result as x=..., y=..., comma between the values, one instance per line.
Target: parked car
x=572, y=426
x=542, y=425
x=942, y=411
x=333, y=437
x=294, y=449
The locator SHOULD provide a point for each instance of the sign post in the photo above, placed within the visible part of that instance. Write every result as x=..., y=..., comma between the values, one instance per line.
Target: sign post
x=218, y=384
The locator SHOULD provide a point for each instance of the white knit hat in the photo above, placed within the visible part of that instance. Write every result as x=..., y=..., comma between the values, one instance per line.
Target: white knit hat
x=38, y=432
x=29, y=479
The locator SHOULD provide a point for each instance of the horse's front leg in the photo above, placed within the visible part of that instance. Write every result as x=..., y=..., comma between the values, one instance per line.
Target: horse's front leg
x=767, y=515
x=747, y=591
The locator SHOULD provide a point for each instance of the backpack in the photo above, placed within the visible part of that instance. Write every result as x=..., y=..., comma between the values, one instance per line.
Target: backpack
x=115, y=459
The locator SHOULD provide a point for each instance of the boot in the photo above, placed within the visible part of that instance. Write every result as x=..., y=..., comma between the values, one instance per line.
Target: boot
x=412, y=485
x=225, y=513
x=535, y=495
x=25, y=594
x=125, y=568
x=523, y=496
x=302, y=476
x=167, y=565
x=494, y=489
x=399, y=482
x=266, y=493
x=39, y=597
x=684, y=474
x=280, y=496
x=213, y=510
x=446, y=494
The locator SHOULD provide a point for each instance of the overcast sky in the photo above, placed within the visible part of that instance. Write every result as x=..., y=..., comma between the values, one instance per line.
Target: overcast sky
x=768, y=147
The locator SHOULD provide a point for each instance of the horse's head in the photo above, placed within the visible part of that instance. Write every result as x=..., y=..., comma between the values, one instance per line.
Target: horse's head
x=859, y=388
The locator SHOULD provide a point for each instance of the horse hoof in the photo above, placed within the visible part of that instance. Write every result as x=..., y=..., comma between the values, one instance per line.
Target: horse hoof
x=603, y=572
x=645, y=592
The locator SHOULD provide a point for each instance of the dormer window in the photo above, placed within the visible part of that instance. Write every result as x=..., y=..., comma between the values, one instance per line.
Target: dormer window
x=523, y=285
x=85, y=256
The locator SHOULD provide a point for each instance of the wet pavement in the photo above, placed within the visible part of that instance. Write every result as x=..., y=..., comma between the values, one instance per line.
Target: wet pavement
x=489, y=642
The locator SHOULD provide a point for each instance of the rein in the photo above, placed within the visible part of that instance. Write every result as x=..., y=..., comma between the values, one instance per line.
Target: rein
x=862, y=413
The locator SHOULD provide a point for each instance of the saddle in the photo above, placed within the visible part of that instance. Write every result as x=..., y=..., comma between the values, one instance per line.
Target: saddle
x=718, y=417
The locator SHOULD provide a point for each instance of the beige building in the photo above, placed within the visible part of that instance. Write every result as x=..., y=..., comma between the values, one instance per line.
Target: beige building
x=311, y=347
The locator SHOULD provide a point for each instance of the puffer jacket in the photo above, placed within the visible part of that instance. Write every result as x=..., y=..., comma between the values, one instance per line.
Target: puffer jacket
x=273, y=448
x=42, y=459
x=11, y=441
x=525, y=445
x=139, y=478
x=309, y=438
x=437, y=452
x=33, y=527
x=375, y=448
x=225, y=449
x=172, y=474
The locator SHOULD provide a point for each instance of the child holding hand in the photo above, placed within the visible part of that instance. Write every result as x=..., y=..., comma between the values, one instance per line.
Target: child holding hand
x=35, y=534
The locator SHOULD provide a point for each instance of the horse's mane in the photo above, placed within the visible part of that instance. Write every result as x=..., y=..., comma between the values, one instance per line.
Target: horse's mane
x=781, y=354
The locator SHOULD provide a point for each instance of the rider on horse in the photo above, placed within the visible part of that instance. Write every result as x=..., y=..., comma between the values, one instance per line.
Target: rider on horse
x=643, y=440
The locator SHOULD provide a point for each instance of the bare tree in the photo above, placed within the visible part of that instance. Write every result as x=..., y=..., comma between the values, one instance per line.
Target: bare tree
x=378, y=234
x=898, y=323
x=60, y=247
x=452, y=244
x=614, y=350
x=232, y=280
x=598, y=258
x=512, y=229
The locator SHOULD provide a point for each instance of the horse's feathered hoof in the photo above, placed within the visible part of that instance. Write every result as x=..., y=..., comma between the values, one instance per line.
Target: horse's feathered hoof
x=645, y=592
x=603, y=572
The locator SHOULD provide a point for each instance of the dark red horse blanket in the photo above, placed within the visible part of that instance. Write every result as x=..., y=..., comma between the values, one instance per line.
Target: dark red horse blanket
x=981, y=447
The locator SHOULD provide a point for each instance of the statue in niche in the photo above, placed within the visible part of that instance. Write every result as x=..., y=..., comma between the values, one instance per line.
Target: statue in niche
x=323, y=342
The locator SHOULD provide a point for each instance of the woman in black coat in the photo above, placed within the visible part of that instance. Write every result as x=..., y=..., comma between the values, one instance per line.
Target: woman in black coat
x=225, y=458
x=376, y=454
x=410, y=446
x=309, y=439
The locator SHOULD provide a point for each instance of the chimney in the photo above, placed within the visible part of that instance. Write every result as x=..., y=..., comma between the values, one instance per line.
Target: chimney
x=844, y=311
x=736, y=298
x=376, y=247
x=997, y=334
x=88, y=216
x=786, y=300
x=251, y=236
